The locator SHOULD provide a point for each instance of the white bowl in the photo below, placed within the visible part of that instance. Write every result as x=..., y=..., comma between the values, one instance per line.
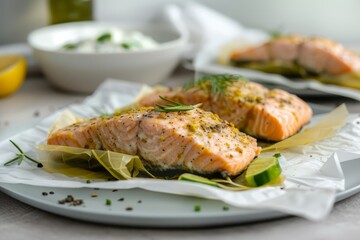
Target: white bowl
x=83, y=72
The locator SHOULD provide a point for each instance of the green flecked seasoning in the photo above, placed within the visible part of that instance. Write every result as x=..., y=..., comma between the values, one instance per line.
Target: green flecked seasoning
x=197, y=208
x=225, y=208
x=108, y=202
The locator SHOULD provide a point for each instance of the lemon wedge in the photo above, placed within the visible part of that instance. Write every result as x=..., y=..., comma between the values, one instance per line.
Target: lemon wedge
x=12, y=73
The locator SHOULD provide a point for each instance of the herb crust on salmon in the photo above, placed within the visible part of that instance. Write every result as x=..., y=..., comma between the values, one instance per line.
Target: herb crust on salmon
x=192, y=140
x=271, y=115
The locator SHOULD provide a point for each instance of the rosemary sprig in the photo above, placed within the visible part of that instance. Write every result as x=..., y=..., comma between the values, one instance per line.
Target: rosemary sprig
x=217, y=84
x=20, y=157
x=172, y=107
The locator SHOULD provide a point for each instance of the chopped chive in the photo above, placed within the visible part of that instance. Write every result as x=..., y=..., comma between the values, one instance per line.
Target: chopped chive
x=197, y=208
x=88, y=181
x=108, y=202
x=104, y=37
x=125, y=45
x=277, y=155
x=70, y=46
x=225, y=208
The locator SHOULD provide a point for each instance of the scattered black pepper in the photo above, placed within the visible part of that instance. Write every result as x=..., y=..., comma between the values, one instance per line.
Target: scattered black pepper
x=51, y=192
x=72, y=202
x=121, y=199
x=44, y=193
x=139, y=201
x=114, y=190
x=69, y=198
x=225, y=208
x=129, y=209
x=96, y=188
x=77, y=202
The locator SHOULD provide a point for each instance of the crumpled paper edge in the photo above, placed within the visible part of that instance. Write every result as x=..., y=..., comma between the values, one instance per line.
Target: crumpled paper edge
x=114, y=94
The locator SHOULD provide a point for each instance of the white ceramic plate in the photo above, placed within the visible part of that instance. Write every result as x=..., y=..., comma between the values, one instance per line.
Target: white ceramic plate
x=151, y=209
x=156, y=209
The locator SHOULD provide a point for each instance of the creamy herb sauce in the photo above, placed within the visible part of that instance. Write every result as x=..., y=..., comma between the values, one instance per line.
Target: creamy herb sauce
x=113, y=40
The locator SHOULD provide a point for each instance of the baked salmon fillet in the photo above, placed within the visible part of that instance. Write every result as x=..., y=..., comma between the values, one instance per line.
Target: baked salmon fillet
x=194, y=140
x=314, y=54
x=271, y=115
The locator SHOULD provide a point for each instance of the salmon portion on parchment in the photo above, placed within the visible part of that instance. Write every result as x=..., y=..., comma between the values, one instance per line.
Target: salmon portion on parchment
x=194, y=140
x=316, y=55
x=271, y=115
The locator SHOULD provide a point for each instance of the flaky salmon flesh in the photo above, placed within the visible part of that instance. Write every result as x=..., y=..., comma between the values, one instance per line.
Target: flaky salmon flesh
x=271, y=115
x=194, y=140
x=318, y=55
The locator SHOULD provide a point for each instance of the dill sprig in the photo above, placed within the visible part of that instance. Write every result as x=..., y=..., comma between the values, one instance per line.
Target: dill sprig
x=172, y=107
x=217, y=84
x=20, y=157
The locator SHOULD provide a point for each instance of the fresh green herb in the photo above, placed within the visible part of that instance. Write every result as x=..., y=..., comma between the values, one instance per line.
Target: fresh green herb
x=70, y=46
x=173, y=107
x=102, y=112
x=125, y=45
x=197, y=208
x=20, y=157
x=88, y=181
x=275, y=34
x=277, y=155
x=108, y=202
x=217, y=84
x=104, y=37
x=225, y=208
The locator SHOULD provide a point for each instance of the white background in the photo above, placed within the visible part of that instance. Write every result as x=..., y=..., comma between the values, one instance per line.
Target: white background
x=335, y=19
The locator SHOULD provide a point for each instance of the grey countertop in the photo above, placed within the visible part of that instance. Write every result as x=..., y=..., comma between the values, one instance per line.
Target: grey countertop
x=37, y=99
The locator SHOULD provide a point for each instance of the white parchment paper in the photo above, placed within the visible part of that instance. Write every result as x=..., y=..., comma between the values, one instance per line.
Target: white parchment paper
x=313, y=172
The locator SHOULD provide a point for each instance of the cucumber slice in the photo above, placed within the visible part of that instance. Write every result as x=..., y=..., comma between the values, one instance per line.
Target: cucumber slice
x=262, y=170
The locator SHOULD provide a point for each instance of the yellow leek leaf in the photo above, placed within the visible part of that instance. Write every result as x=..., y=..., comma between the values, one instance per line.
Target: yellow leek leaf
x=80, y=162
